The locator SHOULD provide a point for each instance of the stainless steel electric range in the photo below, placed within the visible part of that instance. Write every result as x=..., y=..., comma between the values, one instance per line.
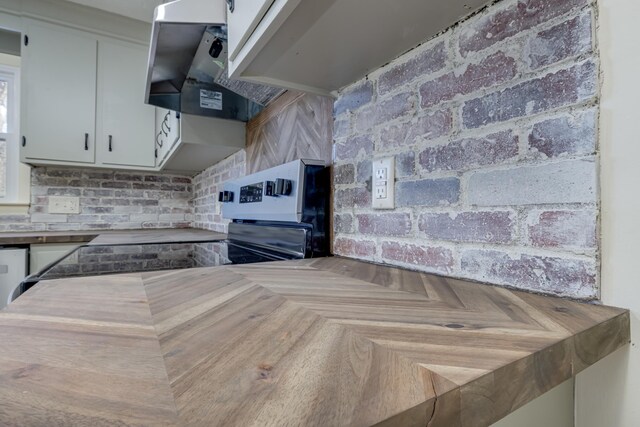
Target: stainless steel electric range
x=278, y=214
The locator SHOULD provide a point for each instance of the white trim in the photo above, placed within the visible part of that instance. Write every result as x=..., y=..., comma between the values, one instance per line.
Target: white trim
x=12, y=179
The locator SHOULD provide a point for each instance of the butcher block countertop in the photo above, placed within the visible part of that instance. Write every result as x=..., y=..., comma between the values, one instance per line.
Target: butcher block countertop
x=325, y=342
x=170, y=235
x=112, y=237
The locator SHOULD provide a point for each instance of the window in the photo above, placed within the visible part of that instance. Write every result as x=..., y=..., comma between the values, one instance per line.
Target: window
x=9, y=156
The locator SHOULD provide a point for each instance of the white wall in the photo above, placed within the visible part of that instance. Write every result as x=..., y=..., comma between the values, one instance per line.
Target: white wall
x=552, y=409
x=608, y=393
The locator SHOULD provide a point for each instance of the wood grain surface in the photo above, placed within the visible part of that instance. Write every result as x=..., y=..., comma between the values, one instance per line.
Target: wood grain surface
x=170, y=235
x=325, y=342
x=33, y=237
x=294, y=126
x=112, y=237
x=82, y=354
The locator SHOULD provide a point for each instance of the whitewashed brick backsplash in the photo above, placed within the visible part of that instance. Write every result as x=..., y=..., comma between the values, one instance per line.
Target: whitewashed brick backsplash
x=493, y=125
x=206, y=185
x=108, y=200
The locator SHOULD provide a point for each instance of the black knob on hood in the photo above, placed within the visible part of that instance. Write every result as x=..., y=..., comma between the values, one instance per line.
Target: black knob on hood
x=216, y=48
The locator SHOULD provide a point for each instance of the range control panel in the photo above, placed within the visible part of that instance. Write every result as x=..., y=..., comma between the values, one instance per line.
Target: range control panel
x=251, y=193
x=274, y=194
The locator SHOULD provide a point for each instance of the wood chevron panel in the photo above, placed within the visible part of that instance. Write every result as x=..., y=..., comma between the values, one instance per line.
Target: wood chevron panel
x=326, y=342
x=342, y=342
x=295, y=126
x=82, y=355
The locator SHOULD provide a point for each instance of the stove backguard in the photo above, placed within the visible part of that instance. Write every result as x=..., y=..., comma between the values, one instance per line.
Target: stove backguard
x=285, y=208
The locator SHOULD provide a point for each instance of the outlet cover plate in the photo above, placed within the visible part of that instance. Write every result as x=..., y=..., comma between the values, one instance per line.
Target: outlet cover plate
x=384, y=179
x=64, y=205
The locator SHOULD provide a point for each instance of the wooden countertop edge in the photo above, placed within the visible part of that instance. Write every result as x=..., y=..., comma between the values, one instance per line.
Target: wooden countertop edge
x=490, y=397
x=482, y=401
x=8, y=239
x=29, y=238
x=559, y=362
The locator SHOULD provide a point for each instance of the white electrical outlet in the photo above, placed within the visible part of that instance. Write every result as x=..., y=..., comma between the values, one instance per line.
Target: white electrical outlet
x=64, y=205
x=384, y=177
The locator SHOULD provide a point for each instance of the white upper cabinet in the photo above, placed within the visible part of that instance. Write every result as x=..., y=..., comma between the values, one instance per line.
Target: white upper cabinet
x=125, y=124
x=167, y=133
x=83, y=100
x=323, y=45
x=58, y=94
x=243, y=20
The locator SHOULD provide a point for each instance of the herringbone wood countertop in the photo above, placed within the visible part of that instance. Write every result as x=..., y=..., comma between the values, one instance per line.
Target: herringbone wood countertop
x=326, y=342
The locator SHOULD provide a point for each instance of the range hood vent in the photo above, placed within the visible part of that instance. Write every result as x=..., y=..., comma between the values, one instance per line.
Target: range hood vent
x=187, y=68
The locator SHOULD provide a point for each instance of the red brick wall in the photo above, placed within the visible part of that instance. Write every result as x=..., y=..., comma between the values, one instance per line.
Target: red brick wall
x=493, y=125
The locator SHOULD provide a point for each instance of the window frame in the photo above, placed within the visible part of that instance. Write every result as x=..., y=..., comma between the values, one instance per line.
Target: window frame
x=12, y=195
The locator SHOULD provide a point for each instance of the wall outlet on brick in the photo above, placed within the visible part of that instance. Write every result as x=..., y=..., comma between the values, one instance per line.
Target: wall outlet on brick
x=384, y=178
x=64, y=205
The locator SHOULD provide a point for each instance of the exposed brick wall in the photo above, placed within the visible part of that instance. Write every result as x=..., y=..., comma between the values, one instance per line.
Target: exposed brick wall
x=108, y=200
x=206, y=185
x=493, y=125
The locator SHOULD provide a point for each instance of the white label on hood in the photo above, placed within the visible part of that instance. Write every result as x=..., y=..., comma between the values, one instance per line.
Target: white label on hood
x=210, y=99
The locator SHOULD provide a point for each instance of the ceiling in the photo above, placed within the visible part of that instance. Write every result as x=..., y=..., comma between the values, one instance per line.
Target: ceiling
x=142, y=10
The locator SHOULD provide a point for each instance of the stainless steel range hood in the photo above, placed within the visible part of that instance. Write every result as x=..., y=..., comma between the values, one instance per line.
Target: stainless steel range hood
x=187, y=68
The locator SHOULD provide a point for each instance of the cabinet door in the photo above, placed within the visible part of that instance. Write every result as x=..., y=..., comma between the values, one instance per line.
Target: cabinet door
x=167, y=133
x=59, y=94
x=243, y=20
x=13, y=266
x=41, y=255
x=125, y=123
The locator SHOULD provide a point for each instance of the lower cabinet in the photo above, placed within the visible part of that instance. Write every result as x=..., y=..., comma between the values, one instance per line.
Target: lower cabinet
x=41, y=255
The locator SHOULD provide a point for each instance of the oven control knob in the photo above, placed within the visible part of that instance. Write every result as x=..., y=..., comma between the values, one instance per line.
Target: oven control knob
x=269, y=188
x=225, y=196
x=283, y=187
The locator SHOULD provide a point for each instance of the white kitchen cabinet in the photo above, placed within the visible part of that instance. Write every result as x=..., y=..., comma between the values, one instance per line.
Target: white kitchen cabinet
x=244, y=19
x=84, y=100
x=58, y=95
x=199, y=142
x=125, y=124
x=321, y=46
x=167, y=133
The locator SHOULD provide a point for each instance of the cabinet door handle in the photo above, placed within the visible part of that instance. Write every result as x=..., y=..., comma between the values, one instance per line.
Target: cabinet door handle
x=86, y=141
x=110, y=142
x=24, y=141
x=232, y=5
